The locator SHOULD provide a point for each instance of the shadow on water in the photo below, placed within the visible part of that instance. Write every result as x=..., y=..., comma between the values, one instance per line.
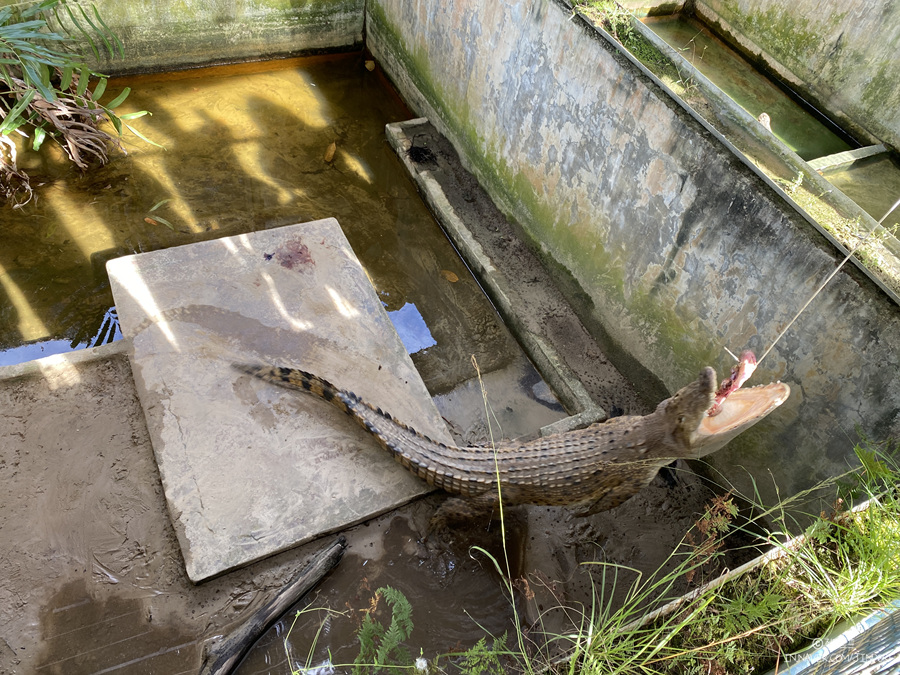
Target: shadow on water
x=86, y=630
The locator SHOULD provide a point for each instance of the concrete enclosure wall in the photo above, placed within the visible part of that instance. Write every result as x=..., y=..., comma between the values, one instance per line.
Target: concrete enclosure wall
x=841, y=55
x=670, y=244
x=163, y=34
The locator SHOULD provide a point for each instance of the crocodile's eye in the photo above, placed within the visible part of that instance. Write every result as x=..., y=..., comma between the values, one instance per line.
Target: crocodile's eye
x=680, y=419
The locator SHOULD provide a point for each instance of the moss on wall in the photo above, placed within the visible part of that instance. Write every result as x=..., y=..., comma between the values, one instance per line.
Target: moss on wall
x=789, y=36
x=649, y=331
x=881, y=91
x=843, y=59
x=170, y=34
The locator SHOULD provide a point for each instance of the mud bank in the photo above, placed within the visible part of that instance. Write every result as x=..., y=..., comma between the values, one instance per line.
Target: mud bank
x=94, y=579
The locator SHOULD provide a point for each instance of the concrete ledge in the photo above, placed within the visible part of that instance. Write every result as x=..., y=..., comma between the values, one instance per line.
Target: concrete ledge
x=845, y=158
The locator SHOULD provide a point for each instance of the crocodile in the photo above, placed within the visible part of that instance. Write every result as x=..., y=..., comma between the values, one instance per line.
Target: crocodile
x=591, y=470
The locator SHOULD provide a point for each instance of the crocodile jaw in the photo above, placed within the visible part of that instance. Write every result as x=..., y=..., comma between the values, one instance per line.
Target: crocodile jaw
x=740, y=411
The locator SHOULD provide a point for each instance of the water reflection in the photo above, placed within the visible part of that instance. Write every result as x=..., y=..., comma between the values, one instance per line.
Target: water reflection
x=109, y=331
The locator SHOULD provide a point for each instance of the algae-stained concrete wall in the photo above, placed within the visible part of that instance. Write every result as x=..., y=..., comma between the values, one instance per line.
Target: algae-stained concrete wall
x=166, y=34
x=842, y=55
x=669, y=243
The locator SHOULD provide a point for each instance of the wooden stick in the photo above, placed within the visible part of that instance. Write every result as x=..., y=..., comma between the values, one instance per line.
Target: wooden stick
x=225, y=655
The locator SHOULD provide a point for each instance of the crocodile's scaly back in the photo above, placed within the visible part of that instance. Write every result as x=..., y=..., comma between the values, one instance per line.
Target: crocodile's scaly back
x=594, y=469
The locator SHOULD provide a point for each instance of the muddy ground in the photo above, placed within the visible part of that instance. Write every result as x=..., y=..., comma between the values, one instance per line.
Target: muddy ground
x=94, y=581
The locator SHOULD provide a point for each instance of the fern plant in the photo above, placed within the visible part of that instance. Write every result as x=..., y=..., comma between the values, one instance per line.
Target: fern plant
x=380, y=647
x=484, y=660
x=45, y=88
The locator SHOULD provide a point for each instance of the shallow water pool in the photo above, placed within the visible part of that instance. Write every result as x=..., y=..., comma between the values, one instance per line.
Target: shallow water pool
x=243, y=148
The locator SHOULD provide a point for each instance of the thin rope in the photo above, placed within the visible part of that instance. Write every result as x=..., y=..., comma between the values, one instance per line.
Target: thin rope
x=829, y=278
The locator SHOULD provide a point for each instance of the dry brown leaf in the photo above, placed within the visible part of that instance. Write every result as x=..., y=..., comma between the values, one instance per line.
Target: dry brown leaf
x=329, y=153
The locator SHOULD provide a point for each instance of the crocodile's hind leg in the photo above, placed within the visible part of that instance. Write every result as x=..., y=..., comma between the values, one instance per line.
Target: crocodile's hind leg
x=668, y=474
x=457, y=510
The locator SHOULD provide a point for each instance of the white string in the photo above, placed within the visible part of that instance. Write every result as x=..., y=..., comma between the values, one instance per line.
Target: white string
x=829, y=278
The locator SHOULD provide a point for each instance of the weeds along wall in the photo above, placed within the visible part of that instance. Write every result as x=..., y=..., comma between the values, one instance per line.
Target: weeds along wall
x=841, y=55
x=161, y=35
x=670, y=246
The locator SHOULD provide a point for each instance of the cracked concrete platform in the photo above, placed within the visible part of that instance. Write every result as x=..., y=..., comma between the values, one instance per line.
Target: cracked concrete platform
x=250, y=469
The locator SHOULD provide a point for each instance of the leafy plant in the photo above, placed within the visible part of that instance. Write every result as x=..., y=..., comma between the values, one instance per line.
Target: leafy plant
x=381, y=647
x=846, y=564
x=712, y=527
x=329, y=615
x=617, y=21
x=483, y=660
x=45, y=88
x=791, y=186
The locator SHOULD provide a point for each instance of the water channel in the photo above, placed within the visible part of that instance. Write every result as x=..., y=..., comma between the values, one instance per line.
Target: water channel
x=873, y=183
x=805, y=132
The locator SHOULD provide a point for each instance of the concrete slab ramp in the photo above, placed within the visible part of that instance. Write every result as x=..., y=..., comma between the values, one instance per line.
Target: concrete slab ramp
x=250, y=469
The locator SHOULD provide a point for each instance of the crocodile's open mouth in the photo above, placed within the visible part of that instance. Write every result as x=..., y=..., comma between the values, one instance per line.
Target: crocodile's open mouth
x=735, y=409
x=742, y=409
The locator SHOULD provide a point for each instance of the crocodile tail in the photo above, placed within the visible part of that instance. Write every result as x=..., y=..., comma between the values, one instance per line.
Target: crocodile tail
x=302, y=381
x=432, y=461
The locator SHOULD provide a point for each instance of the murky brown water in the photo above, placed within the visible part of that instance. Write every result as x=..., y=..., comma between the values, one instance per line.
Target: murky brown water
x=325, y=639
x=251, y=147
x=797, y=127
